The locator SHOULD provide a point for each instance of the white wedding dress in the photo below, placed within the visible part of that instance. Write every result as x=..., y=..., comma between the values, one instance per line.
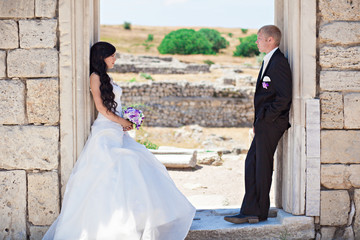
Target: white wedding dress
x=119, y=190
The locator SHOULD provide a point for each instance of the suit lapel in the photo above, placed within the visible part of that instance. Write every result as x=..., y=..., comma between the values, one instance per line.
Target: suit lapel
x=259, y=76
x=272, y=57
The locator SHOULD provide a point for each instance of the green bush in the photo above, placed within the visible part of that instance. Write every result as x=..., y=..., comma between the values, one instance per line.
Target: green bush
x=185, y=41
x=230, y=35
x=244, y=30
x=247, y=47
x=127, y=25
x=148, y=144
x=146, y=76
x=209, y=62
x=150, y=38
x=218, y=42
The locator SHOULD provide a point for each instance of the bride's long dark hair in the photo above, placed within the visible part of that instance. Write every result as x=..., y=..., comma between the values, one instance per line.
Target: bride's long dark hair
x=98, y=52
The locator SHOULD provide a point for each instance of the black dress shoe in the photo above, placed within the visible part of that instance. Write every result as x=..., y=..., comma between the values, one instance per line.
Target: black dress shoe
x=242, y=218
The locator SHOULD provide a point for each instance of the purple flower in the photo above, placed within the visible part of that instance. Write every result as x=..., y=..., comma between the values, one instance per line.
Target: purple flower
x=134, y=115
x=265, y=85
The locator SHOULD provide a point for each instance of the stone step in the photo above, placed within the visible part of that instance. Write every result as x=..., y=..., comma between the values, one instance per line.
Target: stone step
x=210, y=224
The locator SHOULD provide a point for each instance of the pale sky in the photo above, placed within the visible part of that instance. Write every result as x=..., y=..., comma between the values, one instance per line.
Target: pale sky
x=206, y=13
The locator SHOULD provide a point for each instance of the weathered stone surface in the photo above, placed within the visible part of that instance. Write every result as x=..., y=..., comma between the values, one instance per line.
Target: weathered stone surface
x=42, y=101
x=45, y=8
x=339, y=176
x=9, y=33
x=357, y=214
x=339, y=10
x=32, y=63
x=43, y=197
x=340, y=33
x=347, y=234
x=340, y=146
x=352, y=110
x=331, y=104
x=17, y=8
x=211, y=226
x=12, y=102
x=2, y=64
x=37, y=33
x=37, y=232
x=340, y=57
x=29, y=147
x=340, y=80
x=335, y=206
x=327, y=232
x=13, y=204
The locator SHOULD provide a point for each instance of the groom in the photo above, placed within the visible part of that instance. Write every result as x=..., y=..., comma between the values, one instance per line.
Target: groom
x=272, y=104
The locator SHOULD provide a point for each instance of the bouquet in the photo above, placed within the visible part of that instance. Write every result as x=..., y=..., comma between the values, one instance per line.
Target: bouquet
x=134, y=115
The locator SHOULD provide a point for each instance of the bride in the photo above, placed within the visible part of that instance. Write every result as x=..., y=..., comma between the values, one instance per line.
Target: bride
x=118, y=189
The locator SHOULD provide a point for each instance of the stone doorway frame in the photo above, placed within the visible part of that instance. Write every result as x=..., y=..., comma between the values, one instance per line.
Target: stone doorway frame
x=298, y=154
x=297, y=178
x=79, y=28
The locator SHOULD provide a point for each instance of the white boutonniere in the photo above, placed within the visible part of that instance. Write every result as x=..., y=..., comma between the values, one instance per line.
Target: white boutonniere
x=266, y=79
x=265, y=82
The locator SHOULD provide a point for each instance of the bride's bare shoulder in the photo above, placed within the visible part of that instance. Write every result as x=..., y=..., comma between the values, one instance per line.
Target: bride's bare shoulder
x=94, y=77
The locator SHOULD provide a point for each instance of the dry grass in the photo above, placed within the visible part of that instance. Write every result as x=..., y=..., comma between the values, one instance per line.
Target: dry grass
x=131, y=41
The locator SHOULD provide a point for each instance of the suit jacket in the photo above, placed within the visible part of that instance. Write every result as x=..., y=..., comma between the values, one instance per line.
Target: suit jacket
x=273, y=92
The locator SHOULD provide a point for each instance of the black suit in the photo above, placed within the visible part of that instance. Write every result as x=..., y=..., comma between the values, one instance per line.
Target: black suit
x=272, y=104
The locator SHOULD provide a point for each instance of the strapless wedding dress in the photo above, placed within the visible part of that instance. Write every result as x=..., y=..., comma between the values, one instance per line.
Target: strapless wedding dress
x=119, y=190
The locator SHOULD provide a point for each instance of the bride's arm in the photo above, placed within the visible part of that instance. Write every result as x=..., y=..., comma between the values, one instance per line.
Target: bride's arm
x=95, y=90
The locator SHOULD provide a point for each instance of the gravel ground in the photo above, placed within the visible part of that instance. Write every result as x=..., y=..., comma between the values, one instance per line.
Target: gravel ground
x=207, y=186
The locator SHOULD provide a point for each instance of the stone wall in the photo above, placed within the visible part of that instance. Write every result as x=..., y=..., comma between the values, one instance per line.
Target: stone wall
x=339, y=91
x=29, y=120
x=174, y=104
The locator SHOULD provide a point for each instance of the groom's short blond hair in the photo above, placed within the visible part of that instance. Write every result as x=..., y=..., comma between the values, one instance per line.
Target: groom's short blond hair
x=272, y=31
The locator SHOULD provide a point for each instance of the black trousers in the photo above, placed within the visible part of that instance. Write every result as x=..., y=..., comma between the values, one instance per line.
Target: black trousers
x=259, y=164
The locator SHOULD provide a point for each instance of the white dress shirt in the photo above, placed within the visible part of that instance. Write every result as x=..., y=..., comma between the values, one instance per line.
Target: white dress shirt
x=267, y=58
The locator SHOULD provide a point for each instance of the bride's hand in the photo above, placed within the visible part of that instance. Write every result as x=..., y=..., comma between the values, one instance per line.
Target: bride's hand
x=127, y=126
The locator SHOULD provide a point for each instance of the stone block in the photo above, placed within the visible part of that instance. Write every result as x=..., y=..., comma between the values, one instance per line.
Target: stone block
x=13, y=204
x=12, y=102
x=357, y=214
x=331, y=104
x=9, y=33
x=37, y=232
x=340, y=146
x=352, y=110
x=17, y=9
x=43, y=197
x=2, y=64
x=33, y=63
x=340, y=81
x=340, y=33
x=339, y=10
x=335, y=207
x=45, y=8
x=38, y=33
x=340, y=57
x=42, y=101
x=339, y=176
x=29, y=147
x=327, y=232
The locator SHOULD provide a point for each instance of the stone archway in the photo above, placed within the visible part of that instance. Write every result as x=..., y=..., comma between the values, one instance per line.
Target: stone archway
x=298, y=155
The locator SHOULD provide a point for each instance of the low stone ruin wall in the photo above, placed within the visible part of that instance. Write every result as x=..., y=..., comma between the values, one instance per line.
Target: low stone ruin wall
x=126, y=63
x=173, y=104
